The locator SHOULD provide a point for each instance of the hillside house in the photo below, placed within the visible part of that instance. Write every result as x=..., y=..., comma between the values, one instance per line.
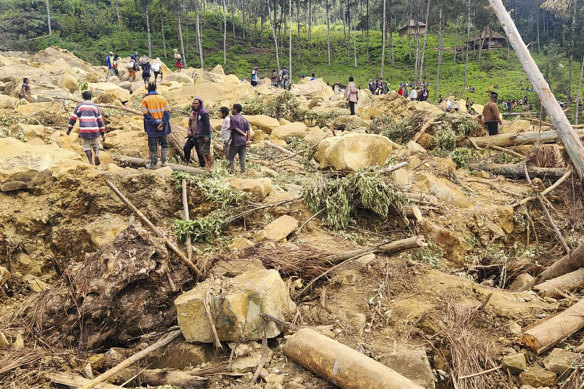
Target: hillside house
x=410, y=28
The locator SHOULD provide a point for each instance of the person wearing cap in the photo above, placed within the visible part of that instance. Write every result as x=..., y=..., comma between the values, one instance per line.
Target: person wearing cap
x=491, y=115
x=109, y=61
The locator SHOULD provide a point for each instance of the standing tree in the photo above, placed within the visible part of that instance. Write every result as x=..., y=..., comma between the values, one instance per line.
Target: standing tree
x=146, y=6
x=273, y=24
x=48, y=17
x=440, y=48
x=161, y=27
x=383, y=40
x=328, y=32
x=466, y=60
x=200, y=45
x=225, y=34
x=424, y=45
x=290, y=36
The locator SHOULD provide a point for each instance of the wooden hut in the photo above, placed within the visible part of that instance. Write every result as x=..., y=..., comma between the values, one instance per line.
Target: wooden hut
x=410, y=28
x=489, y=39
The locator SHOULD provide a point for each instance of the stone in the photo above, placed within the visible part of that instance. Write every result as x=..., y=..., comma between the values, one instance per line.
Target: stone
x=400, y=177
x=411, y=363
x=258, y=187
x=365, y=261
x=314, y=135
x=18, y=343
x=348, y=123
x=69, y=82
x=7, y=102
x=240, y=243
x=537, y=376
x=266, y=171
x=263, y=122
x=280, y=228
x=441, y=188
x=515, y=363
x=312, y=89
x=104, y=230
x=354, y=151
x=4, y=343
x=414, y=148
x=4, y=275
x=97, y=361
x=522, y=282
x=249, y=363
x=26, y=166
x=238, y=305
x=35, y=284
x=181, y=77
x=560, y=361
x=287, y=131
x=218, y=69
x=181, y=355
x=427, y=141
x=108, y=92
x=518, y=125
x=515, y=328
x=358, y=322
x=31, y=131
x=234, y=267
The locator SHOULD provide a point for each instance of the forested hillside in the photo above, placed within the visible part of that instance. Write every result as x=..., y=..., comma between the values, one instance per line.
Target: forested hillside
x=331, y=38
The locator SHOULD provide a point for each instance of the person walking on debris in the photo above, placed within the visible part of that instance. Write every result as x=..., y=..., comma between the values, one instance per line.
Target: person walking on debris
x=115, y=65
x=414, y=94
x=156, y=112
x=254, y=76
x=240, y=138
x=491, y=115
x=351, y=94
x=178, y=60
x=25, y=92
x=109, y=61
x=157, y=69
x=225, y=129
x=132, y=68
x=274, y=78
x=91, y=126
x=199, y=135
x=312, y=77
x=146, y=70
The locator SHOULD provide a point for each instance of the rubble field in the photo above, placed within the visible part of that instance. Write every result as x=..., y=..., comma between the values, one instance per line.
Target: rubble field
x=400, y=247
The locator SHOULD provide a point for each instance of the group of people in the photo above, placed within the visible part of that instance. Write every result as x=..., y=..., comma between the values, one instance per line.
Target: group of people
x=416, y=91
x=235, y=130
x=280, y=79
x=513, y=104
x=135, y=64
x=378, y=87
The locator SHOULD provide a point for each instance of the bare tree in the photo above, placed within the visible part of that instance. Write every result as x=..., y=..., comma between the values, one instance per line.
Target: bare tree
x=147, y=12
x=355, y=42
x=578, y=98
x=383, y=31
x=118, y=11
x=274, y=35
x=424, y=46
x=49, y=17
x=290, y=38
x=309, y=20
x=367, y=26
x=328, y=32
x=161, y=27
x=440, y=49
x=180, y=34
x=198, y=33
x=225, y=34
x=466, y=60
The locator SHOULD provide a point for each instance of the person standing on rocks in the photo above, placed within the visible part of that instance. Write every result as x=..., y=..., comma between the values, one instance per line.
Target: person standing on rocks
x=491, y=115
x=225, y=129
x=146, y=71
x=240, y=138
x=177, y=60
x=157, y=69
x=156, y=112
x=91, y=126
x=109, y=61
x=25, y=92
x=199, y=135
x=274, y=78
x=254, y=76
x=132, y=68
x=351, y=94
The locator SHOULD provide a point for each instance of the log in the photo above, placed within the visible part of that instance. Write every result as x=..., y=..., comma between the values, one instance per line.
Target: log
x=566, y=264
x=121, y=108
x=517, y=172
x=546, y=191
x=556, y=287
x=518, y=138
x=75, y=381
x=141, y=162
x=160, y=377
x=543, y=335
x=429, y=123
x=392, y=168
x=566, y=133
x=133, y=359
x=341, y=365
x=154, y=229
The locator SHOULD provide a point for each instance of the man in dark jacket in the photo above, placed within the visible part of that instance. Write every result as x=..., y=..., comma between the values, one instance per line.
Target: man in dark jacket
x=199, y=135
x=156, y=112
x=240, y=138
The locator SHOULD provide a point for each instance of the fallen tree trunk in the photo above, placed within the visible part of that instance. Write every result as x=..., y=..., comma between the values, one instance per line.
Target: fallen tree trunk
x=568, y=263
x=121, y=108
x=141, y=162
x=161, y=377
x=341, y=365
x=569, y=137
x=518, y=138
x=546, y=334
x=516, y=171
x=75, y=381
x=556, y=287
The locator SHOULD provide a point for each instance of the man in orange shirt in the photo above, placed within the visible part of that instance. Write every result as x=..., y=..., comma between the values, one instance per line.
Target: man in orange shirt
x=491, y=115
x=156, y=112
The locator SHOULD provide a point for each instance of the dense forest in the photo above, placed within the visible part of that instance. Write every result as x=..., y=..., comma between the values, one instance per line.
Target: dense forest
x=332, y=38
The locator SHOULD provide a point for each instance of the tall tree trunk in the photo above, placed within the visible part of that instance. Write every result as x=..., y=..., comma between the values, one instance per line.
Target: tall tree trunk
x=456, y=37
x=180, y=36
x=290, y=39
x=233, y=18
x=348, y=16
x=274, y=35
x=466, y=60
x=355, y=43
x=262, y=25
x=391, y=52
x=537, y=15
x=187, y=33
x=367, y=23
x=579, y=97
x=298, y=23
x=328, y=32
x=242, y=20
x=147, y=12
x=417, y=38
x=383, y=31
x=162, y=28
x=573, y=28
x=225, y=35
x=49, y=17
x=440, y=48
x=199, y=43
x=118, y=12
x=309, y=21
x=424, y=46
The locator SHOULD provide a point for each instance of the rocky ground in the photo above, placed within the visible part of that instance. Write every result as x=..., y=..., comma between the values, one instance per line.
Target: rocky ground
x=84, y=283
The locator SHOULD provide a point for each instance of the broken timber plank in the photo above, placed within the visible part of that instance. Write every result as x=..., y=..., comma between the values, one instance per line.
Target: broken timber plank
x=546, y=334
x=75, y=381
x=566, y=264
x=558, y=117
x=340, y=364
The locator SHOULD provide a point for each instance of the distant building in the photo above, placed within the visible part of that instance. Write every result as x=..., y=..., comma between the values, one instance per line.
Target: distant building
x=489, y=39
x=410, y=28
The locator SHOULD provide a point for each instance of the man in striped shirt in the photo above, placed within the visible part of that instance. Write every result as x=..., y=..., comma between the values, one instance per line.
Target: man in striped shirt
x=156, y=112
x=91, y=126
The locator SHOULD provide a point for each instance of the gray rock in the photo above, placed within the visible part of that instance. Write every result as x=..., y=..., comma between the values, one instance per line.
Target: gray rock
x=515, y=363
x=537, y=376
x=413, y=364
x=559, y=360
x=522, y=282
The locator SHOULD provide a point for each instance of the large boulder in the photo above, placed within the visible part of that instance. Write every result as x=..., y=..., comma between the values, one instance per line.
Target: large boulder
x=354, y=151
x=278, y=229
x=263, y=122
x=258, y=187
x=515, y=126
x=179, y=77
x=108, y=92
x=69, y=82
x=441, y=188
x=7, y=102
x=287, y=131
x=25, y=166
x=312, y=89
x=238, y=304
x=211, y=93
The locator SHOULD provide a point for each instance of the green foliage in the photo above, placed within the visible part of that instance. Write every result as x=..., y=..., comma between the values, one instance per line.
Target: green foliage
x=505, y=158
x=461, y=156
x=339, y=198
x=398, y=132
x=201, y=229
x=214, y=189
x=446, y=139
x=431, y=255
